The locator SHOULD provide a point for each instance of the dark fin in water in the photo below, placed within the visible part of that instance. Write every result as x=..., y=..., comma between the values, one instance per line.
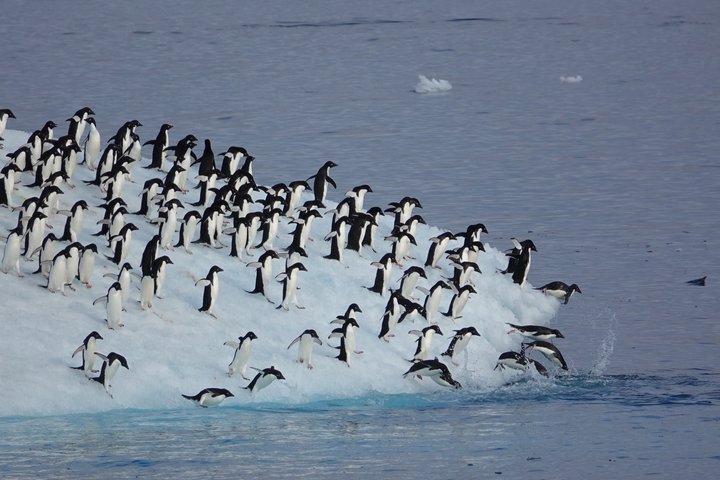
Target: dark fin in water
x=698, y=281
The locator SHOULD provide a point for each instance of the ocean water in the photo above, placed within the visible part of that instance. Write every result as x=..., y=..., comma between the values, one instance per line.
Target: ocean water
x=614, y=177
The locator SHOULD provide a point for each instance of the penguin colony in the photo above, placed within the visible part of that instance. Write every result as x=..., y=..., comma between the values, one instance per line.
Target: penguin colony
x=191, y=202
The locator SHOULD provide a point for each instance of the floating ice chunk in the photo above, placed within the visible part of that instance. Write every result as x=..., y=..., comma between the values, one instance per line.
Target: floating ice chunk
x=431, y=85
x=571, y=79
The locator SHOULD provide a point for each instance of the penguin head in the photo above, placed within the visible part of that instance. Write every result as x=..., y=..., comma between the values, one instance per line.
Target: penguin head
x=248, y=336
x=574, y=288
x=91, y=247
x=215, y=269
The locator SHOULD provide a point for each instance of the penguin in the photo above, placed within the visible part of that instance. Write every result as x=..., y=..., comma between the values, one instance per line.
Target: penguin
x=472, y=234
x=401, y=246
x=187, y=230
x=242, y=347
x=168, y=217
x=337, y=239
x=519, y=262
x=208, y=397
x=22, y=158
x=305, y=220
x=148, y=255
x=462, y=273
x=56, y=276
x=559, y=290
x=458, y=343
x=88, y=353
x=294, y=194
x=344, y=353
x=410, y=309
x=123, y=278
x=403, y=209
x=424, y=340
x=289, y=279
x=238, y=236
x=294, y=255
x=263, y=273
x=409, y=279
x=111, y=363
x=264, y=378
x=550, y=351
x=435, y=370
x=78, y=122
x=432, y=299
x=514, y=360
x=160, y=145
x=390, y=316
x=114, y=181
x=120, y=243
x=305, y=341
x=210, y=293
x=34, y=233
x=411, y=224
x=539, y=367
x=110, y=208
x=458, y=302
x=254, y=220
x=320, y=184
x=359, y=223
x=149, y=192
x=46, y=254
x=437, y=248
x=270, y=226
x=158, y=274
x=5, y=114
x=357, y=194
x=369, y=237
x=346, y=332
x=105, y=163
x=87, y=264
x=11, y=255
x=231, y=159
x=536, y=332
x=113, y=302
x=92, y=144
x=7, y=183
x=382, y=275
x=74, y=222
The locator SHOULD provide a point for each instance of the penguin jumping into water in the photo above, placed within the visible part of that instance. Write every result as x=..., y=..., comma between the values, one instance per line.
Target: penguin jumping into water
x=458, y=343
x=210, y=293
x=559, y=290
x=242, y=347
x=550, y=351
x=208, y=397
x=424, y=340
x=112, y=362
x=435, y=370
x=264, y=378
x=305, y=344
x=535, y=332
x=88, y=353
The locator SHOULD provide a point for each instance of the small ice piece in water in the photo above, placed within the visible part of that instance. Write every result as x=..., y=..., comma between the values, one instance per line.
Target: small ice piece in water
x=571, y=79
x=431, y=85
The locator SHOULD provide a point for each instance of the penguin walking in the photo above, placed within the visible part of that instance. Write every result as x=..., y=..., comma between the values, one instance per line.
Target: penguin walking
x=409, y=280
x=547, y=349
x=5, y=114
x=123, y=278
x=86, y=265
x=74, y=222
x=337, y=239
x=264, y=378
x=432, y=299
x=305, y=343
x=321, y=180
x=263, y=273
x=458, y=343
x=88, y=348
x=11, y=254
x=78, y=123
x=34, y=233
x=113, y=304
x=560, y=290
x=359, y=223
x=382, y=275
x=7, y=183
x=458, y=301
x=401, y=246
x=208, y=397
x=187, y=230
x=120, y=243
x=58, y=269
x=238, y=237
x=92, y=145
x=347, y=332
x=150, y=191
x=158, y=274
x=160, y=146
x=289, y=278
x=390, y=316
x=437, y=248
x=168, y=218
x=111, y=363
x=424, y=341
x=210, y=293
x=243, y=348
x=148, y=255
x=369, y=237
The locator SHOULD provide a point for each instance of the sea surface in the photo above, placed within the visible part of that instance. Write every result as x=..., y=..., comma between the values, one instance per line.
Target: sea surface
x=614, y=174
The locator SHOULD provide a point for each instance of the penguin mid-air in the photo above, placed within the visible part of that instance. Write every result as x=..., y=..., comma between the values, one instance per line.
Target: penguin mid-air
x=424, y=341
x=320, y=184
x=305, y=344
x=560, y=290
x=458, y=343
x=550, y=351
x=111, y=363
x=264, y=378
x=514, y=360
x=535, y=332
x=210, y=292
x=208, y=397
x=88, y=353
x=435, y=370
x=243, y=348
x=290, y=278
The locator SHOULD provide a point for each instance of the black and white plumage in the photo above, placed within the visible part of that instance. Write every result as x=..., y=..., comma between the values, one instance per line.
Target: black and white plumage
x=321, y=180
x=114, y=305
x=435, y=370
x=305, y=343
x=458, y=301
x=111, y=363
x=536, y=332
x=559, y=290
x=264, y=378
x=437, y=248
x=392, y=313
x=243, y=348
x=347, y=332
x=409, y=280
x=514, y=360
x=433, y=296
x=290, y=278
x=382, y=275
x=550, y=351
x=208, y=397
x=458, y=343
x=87, y=348
x=424, y=341
x=263, y=273
x=210, y=292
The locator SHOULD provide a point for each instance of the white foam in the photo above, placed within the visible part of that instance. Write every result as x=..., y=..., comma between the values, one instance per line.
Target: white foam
x=571, y=79
x=431, y=85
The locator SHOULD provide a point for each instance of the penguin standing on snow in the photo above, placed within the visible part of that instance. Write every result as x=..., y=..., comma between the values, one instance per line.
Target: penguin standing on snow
x=5, y=113
x=187, y=230
x=86, y=265
x=346, y=332
x=11, y=256
x=264, y=378
x=289, y=278
x=320, y=184
x=424, y=340
x=74, y=222
x=92, y=144
x=458, y=343
x=459, y=300
x=382, y=275
x=148, y=255
x=391, y=316
x=305, y=341
x=210, y=293
x=207, y=397
x=56, y=277
x=242, y=347
x=7, y=183
x=112, y=362
x=120, y=243
x=160, y=146
x=88, y=353
x=263, y=273
x=519, y=261
x=123, y=278
x=432, y=299
x=337, y=239
x=114, y=305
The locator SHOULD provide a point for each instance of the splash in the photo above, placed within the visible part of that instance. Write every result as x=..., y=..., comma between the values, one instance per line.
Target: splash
x=605, y=349
x=431, y=85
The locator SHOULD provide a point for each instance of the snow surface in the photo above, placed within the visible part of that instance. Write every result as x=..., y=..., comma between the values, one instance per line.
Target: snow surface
x=174, y=349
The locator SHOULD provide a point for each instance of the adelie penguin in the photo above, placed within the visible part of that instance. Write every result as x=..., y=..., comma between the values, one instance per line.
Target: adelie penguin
x=347, y=332
x=458, y=343
x=46, y=254
x=208, y=397
x=320, y=184
x=187, y=230
x=535, y=332
x=7, y=183
x=435, y=370
x=160, y=145
x=120, y=243
x=390, y=316
x=264, y=378
x=305, y=343
x=111, y=363
x=123, y=278
x=290, y=278
x=78, y=123
x=11, y=255
x=519, y=262
x=559, y=290
x=88, y=348
x=459, y=300
x=5, y=113
x=92, y=145
x=114, y=305
x=210, y=292
x=86, y=265
x=424, y=340
x=382, y=275
x=337, y=239
x=432, y=299
x=409, y=280
x=437, y=248
x=74, y=222
x=243, y=348
x=263, y=273
x=547, y=349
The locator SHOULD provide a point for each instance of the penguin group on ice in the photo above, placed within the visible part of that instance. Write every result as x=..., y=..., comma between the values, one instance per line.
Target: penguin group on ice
x=236, y=215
